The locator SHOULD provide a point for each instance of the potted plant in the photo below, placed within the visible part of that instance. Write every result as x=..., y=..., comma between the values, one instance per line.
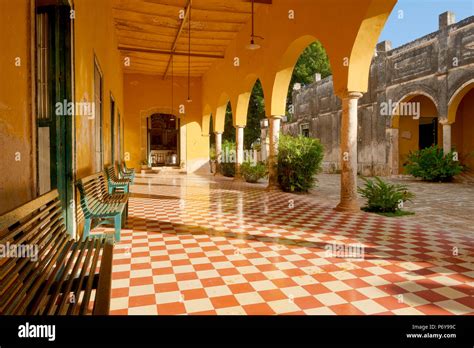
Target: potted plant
x=253, y=172
x=144, y=164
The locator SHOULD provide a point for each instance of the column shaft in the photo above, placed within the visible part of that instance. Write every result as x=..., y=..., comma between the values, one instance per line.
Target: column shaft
x=239, y=148
x=274, y=123
x=349, y=153
x=447, y=138
x=218, y=136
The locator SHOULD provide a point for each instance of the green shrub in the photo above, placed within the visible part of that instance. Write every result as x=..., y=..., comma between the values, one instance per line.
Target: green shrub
x=227, y=164
x=431, y=164
x=253, y=172
x=228, y=169
x=383, y=197
x=299, y=160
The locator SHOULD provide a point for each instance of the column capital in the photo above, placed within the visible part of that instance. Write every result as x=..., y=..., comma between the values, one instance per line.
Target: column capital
x=444, y=122
x=218, y=133
x=275, y=117
x=239, y=126
x=351, y=95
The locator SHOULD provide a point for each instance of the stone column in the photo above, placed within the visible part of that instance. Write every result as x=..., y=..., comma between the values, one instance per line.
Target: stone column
x=274, y=126
x=218, y=136
x=263, y=144
x=447, y=138
x=349, y=153
x=393, y=150
x=239, y=149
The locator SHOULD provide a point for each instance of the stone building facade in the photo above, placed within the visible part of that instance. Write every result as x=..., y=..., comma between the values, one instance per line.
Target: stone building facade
x=431, y=80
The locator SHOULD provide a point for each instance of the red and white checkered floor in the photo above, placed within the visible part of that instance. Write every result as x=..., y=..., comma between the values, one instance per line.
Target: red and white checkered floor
x=201, y=245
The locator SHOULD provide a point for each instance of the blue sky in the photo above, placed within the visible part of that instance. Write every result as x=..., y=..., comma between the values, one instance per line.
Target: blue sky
x=420, y=17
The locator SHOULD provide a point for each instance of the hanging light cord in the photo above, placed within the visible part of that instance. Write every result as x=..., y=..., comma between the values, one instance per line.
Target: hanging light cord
x=253, y=30
x=189, y=53
x=172, y=83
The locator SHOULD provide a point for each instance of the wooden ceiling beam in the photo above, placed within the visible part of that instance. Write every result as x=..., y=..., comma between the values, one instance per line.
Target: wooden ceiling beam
x=136, y=35
x=167, y=52
x=178, y=34
x=207, y=15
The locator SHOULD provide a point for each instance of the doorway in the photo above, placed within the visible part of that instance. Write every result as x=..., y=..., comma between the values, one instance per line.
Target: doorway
x=53, y=99
x=428, y=132
x=163, y=140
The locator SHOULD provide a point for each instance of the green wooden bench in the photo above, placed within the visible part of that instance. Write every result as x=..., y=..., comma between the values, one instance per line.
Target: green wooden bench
x=115, y=183
x=46, y=271
x=99, y=205
x=126, y=173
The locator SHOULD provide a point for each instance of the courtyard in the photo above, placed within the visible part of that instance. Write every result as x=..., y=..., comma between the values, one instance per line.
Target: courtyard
x=197, y=244
x=149, y=148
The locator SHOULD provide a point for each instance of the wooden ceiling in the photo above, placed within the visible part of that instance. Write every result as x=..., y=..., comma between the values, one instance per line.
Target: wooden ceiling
x=149, y=31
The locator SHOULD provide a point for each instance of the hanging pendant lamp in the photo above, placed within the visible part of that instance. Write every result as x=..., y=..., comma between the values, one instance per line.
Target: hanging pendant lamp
x=172, y=87
x=252, y=45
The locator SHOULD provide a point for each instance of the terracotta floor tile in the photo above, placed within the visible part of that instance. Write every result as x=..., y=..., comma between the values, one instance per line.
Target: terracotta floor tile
x=203, y=253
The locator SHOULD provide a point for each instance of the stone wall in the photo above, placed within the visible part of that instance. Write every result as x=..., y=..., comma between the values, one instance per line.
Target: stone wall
x=436, y=65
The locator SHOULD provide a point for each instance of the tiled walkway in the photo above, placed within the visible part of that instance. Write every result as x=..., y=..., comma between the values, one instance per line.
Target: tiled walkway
x=200, y=245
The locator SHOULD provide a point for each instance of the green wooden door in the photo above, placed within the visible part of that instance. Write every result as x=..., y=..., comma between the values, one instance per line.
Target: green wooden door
x=112, y=129
x=54, y=102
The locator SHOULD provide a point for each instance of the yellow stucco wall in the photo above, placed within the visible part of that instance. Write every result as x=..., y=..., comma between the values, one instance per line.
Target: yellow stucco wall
x=17, y=178
x=148, y=94
x=95, y=35
x=408, y=134
x=463, y=130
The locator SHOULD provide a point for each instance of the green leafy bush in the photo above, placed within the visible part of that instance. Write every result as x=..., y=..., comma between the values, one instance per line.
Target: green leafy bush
x=227, y=164
x=228, y=169
x=431, y=164
x=253, y=172
x=383, y=197
x=299, y=160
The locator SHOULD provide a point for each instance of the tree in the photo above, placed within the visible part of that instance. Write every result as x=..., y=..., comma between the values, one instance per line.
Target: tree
x=229, y=129
x=255, y=113
x=313, y=60
x=211, y=132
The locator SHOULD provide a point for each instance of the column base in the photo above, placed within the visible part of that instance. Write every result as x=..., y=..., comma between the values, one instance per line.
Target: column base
x=273, y=187
x=351, y=206
x=238, y=179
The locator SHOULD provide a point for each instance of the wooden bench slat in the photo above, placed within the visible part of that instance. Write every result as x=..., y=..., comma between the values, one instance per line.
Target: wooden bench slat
x=85, y=301
x=74, y=309
x=19, y=213
x=20, y=285
x=33, y=283
x=60, y=278
x=37, y=306
x=12, y=267
x=62, y=267
x=34, y=221
x=68, y=285
x=102, y=304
